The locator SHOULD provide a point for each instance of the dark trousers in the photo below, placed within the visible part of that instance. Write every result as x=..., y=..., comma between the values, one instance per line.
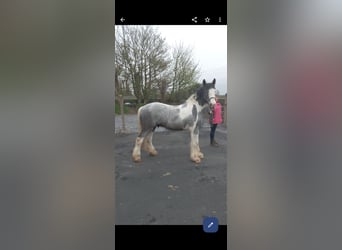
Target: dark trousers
x=212, y=131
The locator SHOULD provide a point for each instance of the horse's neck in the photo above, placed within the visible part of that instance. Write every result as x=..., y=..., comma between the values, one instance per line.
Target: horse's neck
x=192, y=100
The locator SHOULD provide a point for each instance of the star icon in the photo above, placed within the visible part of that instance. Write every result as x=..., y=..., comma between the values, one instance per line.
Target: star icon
x=207, y=19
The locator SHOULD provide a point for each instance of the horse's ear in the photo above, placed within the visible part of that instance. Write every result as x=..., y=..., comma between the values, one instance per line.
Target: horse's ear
x=204, y=82
x=214, y=81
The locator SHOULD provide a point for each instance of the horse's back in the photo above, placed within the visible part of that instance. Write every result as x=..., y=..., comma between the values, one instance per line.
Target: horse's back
x=154, y=114
x=156, y=107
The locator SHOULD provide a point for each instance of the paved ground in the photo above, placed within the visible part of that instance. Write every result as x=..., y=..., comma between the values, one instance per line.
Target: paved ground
x=169, y=189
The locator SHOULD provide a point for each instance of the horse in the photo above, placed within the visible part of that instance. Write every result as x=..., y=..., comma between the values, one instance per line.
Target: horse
x=174, y=117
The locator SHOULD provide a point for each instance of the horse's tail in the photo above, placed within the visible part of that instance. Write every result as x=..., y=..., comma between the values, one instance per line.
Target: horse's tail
x=139, y=121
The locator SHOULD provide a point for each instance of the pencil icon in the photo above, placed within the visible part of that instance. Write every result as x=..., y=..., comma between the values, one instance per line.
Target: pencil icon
x=210, y=224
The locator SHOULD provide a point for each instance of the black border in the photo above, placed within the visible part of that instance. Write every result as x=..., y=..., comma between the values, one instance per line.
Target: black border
x=169, y=237
x=177, y=12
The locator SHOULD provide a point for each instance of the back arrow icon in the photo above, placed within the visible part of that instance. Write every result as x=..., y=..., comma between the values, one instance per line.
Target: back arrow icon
x=122, y=19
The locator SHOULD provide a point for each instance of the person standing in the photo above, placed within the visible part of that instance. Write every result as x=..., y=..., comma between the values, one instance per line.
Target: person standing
x=215, y=118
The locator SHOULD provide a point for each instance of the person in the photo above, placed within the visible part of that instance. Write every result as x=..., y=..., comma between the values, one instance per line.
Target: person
x=215, y=118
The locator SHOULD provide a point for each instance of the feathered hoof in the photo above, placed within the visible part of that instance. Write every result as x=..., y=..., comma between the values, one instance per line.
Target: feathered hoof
x=136, y=158
x=196, y=159
x=200, y=155
x=153, y=153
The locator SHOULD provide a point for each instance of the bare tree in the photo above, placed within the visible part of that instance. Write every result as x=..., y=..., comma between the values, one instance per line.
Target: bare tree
x=148, y=68
x=184, y=71
x=141, y=58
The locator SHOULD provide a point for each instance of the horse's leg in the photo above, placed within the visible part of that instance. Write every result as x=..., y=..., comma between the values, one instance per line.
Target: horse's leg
x=196, y=141
x=194, y=153
x=199, y=153
x=148, y=146
x=196, y=137
x=136, y=155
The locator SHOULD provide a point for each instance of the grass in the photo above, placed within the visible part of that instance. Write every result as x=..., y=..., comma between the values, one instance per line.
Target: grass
x=127, y=110
x=117, y=109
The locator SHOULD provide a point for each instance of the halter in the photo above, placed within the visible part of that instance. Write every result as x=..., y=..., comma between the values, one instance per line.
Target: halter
x=212, y=97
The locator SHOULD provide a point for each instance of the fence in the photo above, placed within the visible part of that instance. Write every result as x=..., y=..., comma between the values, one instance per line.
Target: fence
x=122, y=100
x=223, y=100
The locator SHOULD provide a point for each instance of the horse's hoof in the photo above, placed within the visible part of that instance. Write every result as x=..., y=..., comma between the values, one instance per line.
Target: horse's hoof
x=153, y=153
x=200, y=155
x=196, y=160
x=136, y=159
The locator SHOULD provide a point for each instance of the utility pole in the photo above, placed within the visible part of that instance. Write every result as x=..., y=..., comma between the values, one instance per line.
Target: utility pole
x=123, y=123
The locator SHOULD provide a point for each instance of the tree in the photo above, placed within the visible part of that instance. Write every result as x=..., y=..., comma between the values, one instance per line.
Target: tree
x=141, y=59
x=149, y=69
x=184, y=71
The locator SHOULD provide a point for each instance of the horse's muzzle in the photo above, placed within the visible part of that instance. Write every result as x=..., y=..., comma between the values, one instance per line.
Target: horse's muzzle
x=212, y=104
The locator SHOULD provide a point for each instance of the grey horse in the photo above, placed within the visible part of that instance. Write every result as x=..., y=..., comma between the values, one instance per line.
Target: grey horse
x=174, y=117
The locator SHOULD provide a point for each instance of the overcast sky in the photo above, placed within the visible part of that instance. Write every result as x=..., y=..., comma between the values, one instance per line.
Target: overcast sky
x=209, y=44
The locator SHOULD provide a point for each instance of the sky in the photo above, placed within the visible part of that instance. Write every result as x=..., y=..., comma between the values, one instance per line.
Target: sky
x=209, y=45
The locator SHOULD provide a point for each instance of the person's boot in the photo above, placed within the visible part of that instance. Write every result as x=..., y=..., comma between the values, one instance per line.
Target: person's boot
x=214, y=143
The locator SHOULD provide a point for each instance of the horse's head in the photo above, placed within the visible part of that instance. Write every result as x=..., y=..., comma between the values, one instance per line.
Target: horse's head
x=206, y=94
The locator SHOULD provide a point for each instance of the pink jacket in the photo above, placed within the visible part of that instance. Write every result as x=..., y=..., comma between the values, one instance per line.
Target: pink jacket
x=217, y=118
